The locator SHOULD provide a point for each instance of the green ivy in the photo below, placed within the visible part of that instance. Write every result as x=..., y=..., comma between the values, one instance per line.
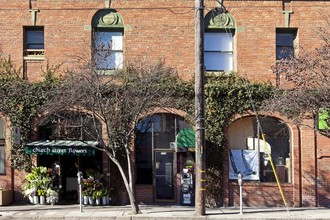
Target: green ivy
x=20, y=102
x=225, y=96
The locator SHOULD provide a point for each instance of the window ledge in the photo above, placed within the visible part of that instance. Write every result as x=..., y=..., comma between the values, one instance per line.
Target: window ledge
x=34, y=58
x=254, y=183
x=219, y=73
x=105, y=72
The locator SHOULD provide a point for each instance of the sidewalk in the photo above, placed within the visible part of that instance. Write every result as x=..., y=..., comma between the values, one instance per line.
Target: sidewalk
x=72, y=212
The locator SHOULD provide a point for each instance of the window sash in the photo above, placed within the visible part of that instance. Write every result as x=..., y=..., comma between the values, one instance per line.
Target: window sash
x=109, y=59
x=283, y=39
x=2, y=160
x=218, y=61
x=284, y=45
x=218, y=51
x=218, y=41
x=284, y=52
x=34, y=39
x=108, y=40
x=108, y=46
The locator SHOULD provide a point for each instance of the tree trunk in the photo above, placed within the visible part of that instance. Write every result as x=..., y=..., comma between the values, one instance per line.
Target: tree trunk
x=130, y=190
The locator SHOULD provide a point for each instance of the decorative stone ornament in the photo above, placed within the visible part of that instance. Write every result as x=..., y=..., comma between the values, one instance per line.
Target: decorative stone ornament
x=107, y=18
x=219, y=19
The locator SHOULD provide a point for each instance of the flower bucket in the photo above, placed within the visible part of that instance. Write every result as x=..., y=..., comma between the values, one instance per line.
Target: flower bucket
x=42, y=200
x=90, y=200
x=36, y=200
x=85, y=200
x=31, y=199
x=104, y=200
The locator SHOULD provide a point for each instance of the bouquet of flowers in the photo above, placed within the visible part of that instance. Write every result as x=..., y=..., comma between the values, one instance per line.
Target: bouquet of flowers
x=52, y=196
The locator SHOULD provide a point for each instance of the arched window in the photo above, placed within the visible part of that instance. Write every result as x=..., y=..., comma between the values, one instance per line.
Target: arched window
x=2, y=147
x=250, y=154
x=108, y=33
x=68, y=125
x=218, y=41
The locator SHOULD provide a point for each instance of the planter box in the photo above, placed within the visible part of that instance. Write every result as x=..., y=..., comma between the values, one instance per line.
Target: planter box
x=6, y=197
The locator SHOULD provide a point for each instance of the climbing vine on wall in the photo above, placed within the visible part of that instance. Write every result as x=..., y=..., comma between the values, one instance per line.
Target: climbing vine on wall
x=225, y=96
x=20, y=102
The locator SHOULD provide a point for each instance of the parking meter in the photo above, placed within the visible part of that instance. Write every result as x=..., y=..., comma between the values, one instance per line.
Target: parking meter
x=80, y=177
x=80, y=182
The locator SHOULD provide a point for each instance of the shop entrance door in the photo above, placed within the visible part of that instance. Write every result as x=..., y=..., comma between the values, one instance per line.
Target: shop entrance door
x=164, y=181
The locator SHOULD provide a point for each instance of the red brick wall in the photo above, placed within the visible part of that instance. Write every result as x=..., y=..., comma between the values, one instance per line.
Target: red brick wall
x=164, y=29
x=144, y=194
x=323, y=171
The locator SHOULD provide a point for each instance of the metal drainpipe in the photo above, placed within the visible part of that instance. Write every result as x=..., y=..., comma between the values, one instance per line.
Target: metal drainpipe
x=300, y=169
x=316, y=167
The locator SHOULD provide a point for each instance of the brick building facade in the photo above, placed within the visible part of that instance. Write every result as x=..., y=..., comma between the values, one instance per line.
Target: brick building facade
x=164, y=29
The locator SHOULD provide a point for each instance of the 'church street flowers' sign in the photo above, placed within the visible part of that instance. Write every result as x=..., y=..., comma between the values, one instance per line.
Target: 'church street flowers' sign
x=62, y=147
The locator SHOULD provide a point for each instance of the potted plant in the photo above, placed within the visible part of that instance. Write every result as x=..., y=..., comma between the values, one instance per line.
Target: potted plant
x=97, y=195
x=89, y=188
x=28, y=190
x=51, y=196
x=105, y=196
x=38, y=179
x=42, y=196
x=85, y=197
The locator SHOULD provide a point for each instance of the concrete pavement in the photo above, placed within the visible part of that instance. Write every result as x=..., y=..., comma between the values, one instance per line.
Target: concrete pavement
x=152, y=212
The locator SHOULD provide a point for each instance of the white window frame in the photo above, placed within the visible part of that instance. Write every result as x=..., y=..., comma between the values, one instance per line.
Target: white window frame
x=108, y=49
x=218, y=51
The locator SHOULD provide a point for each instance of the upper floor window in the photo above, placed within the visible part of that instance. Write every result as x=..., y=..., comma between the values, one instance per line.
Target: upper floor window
x=108, y=49
x=285, y=43
x=218, y=51
x=34, y=42
x=108, y=38
x=219, y=41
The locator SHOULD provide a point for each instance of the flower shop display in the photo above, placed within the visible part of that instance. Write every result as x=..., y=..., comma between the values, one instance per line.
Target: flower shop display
x=51, y=196
x=36, y=185
x=93, y=189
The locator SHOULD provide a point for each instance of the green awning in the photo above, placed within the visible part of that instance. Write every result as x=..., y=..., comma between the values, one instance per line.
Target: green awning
x=185, y=139
x=61, y=147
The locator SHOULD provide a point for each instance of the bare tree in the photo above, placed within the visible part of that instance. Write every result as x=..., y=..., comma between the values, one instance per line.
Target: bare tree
x=305, y=80
x=119, y=100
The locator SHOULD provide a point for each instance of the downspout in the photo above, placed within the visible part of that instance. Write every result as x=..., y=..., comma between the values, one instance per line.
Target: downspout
x=300, y=169
x=316, y=159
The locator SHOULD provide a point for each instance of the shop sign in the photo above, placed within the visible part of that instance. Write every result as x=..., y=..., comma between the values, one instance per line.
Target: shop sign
x=75, y=151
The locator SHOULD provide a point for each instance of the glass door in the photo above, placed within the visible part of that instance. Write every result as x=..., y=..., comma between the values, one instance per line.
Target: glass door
x=164, y=184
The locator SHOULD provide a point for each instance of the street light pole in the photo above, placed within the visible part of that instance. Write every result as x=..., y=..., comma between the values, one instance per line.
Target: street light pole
x=199, y=109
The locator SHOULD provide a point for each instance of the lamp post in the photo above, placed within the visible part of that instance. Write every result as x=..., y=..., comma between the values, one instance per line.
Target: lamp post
x=240, y=183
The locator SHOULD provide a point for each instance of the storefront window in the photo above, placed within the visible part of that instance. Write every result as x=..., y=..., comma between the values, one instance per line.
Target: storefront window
x=250, y=153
